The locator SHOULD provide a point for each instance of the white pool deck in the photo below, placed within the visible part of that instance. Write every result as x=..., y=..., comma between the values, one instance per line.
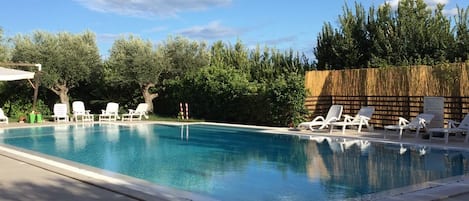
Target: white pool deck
x=29, y=176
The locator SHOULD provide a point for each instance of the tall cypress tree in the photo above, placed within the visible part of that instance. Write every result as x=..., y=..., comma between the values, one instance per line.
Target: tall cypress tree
x=462, y=35
x=411, y=35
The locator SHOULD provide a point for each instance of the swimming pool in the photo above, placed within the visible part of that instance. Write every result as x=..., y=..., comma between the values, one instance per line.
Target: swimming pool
x=243, y=164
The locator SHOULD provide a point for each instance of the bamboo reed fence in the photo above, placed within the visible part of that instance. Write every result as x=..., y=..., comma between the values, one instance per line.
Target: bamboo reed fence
x=394, y=91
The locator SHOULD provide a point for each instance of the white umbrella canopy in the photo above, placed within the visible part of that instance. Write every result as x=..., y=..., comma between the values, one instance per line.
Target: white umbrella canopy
x=8, y=74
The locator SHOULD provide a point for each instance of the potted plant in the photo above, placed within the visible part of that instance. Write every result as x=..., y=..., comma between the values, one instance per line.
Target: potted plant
x=32, y=117
x=38, y=117
x=22, y=119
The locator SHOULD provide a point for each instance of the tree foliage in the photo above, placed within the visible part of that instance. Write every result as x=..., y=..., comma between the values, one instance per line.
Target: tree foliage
x=461, y=28
x=135, y=62
x=410, y=35
x=67, y=59
x=3, y=47
x=258, y=86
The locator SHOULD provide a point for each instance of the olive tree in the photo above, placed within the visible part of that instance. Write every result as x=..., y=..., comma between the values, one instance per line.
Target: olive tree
x=67, y=59
x=133, y=61
x=3, y=47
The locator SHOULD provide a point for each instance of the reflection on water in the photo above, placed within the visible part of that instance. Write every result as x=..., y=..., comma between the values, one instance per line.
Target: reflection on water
x=79, y=132
x=240, y=164
x=111, y=132
x=143, y=132
x=387, y=166
x=61, y=135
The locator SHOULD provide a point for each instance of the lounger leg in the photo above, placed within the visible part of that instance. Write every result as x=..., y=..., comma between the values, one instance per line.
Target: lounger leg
x=417, y=133
x=343, y=129
x=446, y=137
x=310, y=128
x=400, y=134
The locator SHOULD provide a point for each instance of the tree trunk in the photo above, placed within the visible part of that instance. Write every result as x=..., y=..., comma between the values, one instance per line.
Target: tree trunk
x=147, y=96
x=62, y=91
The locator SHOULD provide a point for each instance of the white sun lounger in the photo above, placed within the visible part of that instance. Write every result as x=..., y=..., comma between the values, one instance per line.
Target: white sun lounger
x=335, y=111
x=3, y=117
x=417, y=123
x=453, y=127
x=111, y=113
x=360, y=119
x=136, y=114
x=79, y=111
x=60, y=112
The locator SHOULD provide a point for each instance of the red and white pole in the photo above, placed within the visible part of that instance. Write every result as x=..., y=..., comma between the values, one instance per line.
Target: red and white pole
x=181, y=110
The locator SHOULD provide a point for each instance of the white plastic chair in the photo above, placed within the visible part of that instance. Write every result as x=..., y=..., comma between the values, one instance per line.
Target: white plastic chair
x=453, y=127
x=333, y=115
x=3, y=118
x=78, y=110
x=111, y=113
x=136, y=114
x=361, y=118
x=60, y=112
x=418, y=123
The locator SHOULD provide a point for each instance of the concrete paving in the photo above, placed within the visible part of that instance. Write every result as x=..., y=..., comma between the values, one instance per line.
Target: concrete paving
x=22, y=178
x=22, y=181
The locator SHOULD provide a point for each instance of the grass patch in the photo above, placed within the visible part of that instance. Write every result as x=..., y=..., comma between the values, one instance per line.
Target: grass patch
x=153, y=117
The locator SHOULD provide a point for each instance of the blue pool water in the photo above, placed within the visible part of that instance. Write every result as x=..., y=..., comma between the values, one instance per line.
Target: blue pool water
x=240, y=164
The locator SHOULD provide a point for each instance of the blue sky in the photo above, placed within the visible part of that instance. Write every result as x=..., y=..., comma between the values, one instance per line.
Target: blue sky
x=281, y=24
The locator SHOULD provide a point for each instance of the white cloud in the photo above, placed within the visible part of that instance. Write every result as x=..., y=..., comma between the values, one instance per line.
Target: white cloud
x=431, y=4
x=450, y=12
x=393, y=3
x=434, y=2
x=150, y=8
x=213, y=30
x=278, y=41
x=109, y=37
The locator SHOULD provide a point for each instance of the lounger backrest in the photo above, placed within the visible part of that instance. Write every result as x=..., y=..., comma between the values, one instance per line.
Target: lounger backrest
x=141, y=108
x=421, y=120
x=334, y=112
x=78, y=107
x=2, y=114
x=60, y=109
x=112, y=108
x=366, y=111
x=464, y=123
